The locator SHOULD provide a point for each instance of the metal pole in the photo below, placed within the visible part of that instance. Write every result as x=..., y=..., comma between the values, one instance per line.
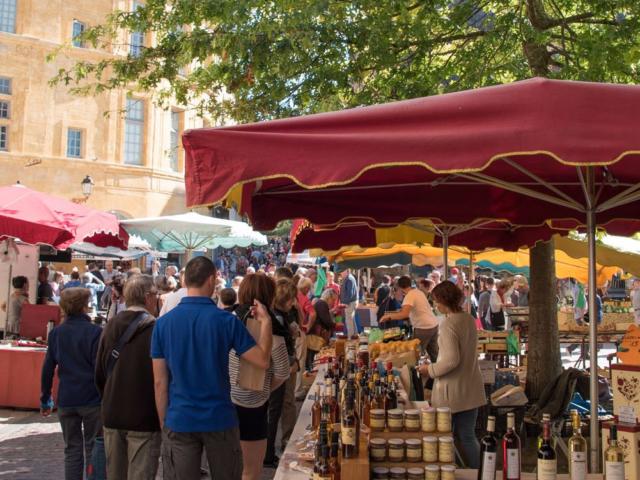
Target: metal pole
x=593, y=332
x=445, y=252
x=471, y=282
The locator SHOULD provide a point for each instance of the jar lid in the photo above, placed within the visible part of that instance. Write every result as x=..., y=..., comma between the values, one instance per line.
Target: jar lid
x=377, y=411
x=444, y=410
x=398, y=471
x=448, y=468
x=429, y=409
x=432, y=468
x=412, y=412
x=415, y=471
x=430, y=439
x=378, y=441
x=381, y=471
x=395, y=412
x=446, y=439
x=413, y=441
x=396, y=441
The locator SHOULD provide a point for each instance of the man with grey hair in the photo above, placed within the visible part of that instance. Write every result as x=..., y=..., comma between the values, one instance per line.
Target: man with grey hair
x=131, y=426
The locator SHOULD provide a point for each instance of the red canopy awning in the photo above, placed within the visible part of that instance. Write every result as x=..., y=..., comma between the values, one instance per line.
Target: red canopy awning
x=511, y=152
x=38, y=218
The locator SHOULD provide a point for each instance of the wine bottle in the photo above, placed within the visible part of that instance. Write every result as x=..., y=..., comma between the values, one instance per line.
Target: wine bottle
x=547, y=461
x=545, y=418
x=511, y=451
x=324, y=469
x=334, y=461
x=577, y=450
x=488, y=452
x=316, y=410
x=349, y=435
x=613, y=457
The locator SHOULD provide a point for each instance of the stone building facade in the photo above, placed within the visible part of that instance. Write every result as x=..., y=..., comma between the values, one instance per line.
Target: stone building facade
x=50, y=140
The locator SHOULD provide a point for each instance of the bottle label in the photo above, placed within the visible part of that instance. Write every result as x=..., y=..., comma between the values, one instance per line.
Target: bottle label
x=614, y=470
x=348, y=436
x=513, y=464
x=489, y=466
x=547, y=469
x=578, y=465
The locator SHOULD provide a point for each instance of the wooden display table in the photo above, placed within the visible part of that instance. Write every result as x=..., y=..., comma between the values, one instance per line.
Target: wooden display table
x=20, y=372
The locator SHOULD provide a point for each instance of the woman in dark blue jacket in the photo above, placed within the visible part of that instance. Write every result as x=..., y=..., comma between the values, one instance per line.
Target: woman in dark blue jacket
x=73, y=348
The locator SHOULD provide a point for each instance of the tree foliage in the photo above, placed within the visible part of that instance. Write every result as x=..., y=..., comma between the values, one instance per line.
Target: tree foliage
x=253, y=60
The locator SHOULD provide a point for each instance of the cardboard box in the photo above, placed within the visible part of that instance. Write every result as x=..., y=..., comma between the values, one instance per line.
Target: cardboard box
x=509, y=395
x=625, y=383
x=629, y=441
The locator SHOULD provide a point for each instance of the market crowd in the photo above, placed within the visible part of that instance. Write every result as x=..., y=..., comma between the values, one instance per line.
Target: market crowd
x=168, y=373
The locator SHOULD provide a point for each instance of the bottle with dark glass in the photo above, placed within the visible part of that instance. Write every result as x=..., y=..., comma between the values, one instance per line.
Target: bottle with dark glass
x=547, y=461
x=488, y=452
x=331, y=400
x=391, y=397
x=324, y=469
x=316, y=410
x=349, y=432
x=545, y=418
x=366, y=407
x=511, y=450
x=334, y=460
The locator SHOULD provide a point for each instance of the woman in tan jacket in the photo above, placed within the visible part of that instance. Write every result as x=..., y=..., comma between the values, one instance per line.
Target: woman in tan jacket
x=457, y=380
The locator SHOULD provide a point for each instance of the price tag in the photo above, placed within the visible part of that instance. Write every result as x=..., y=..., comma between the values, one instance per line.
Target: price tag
x=627, y=414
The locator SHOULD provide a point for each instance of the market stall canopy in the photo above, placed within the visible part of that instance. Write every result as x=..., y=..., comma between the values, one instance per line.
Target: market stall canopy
x=39, y=218
x=477, y=236
x=192, y=231
x=87, y=251
x=456, y=158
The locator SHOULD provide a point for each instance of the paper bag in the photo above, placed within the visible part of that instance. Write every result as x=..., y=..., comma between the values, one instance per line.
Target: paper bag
x=251, y=377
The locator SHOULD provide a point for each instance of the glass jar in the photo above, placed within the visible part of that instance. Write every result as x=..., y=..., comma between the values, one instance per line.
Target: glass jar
x=380, y=473
x=448, y=472
x=412, y=420
x=432, y=472
x=444, y=419
x=395, y=420
x=376, y=418
x=378, y=449
x=446, y=453
x=398, y=473
x=430, y=449
x=396, y=450
x=414, y=450
x=415, y=474
x=428, y=419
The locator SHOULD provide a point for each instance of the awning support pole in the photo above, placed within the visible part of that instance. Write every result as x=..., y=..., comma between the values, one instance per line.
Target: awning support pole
x=445, y=252
x=589, y=187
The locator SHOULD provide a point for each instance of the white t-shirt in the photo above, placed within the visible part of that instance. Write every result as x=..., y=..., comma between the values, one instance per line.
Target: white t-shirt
x=172, y=300
x=421, y=314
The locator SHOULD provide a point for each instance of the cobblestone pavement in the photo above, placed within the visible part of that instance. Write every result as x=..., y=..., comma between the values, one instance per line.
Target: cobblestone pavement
x=31, y=447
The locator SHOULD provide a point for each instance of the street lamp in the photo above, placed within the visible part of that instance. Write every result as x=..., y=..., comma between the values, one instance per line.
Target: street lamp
x=87, y=186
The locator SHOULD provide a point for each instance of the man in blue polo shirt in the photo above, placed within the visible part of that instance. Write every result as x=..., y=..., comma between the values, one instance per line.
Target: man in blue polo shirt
x=190, y=351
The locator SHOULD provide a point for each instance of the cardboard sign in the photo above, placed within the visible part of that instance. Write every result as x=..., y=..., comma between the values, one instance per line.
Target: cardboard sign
x=488, y=371
x=629, y=350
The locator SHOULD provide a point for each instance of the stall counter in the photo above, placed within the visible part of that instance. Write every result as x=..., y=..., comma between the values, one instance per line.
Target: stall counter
x=20, y=372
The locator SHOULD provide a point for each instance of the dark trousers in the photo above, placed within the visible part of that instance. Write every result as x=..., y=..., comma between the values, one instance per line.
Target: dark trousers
x=80, y=425
x=276, y=401
x=182, y=452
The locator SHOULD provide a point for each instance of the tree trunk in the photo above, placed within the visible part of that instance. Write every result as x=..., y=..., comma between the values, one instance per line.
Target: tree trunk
x=544, y=363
